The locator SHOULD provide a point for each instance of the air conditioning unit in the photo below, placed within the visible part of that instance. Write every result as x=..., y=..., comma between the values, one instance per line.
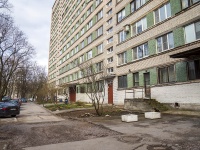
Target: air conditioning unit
x=127, y=28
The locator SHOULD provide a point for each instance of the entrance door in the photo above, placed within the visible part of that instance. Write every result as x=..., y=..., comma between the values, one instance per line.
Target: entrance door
x=110, y=93
x=147, y=85
x=72, y=94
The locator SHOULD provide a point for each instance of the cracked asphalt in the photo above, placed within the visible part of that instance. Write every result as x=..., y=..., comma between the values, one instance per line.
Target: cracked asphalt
x=38, y=129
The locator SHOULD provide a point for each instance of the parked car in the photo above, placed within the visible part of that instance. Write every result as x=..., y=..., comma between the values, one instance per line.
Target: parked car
x=16, y=102
x=6, y=98
x=24, y=100
x=8, y=109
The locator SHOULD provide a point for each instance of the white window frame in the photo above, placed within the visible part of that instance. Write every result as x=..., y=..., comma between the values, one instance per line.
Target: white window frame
x=110, y=40
x=166, y=13
x=121, y=15
x=89, y=55
x=162, y=44
x=99, y=31
x=122, y=36
x=100, y=48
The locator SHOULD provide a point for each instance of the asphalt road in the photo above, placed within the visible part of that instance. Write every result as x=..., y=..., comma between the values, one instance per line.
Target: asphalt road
x=31, y=113
x=38, y=129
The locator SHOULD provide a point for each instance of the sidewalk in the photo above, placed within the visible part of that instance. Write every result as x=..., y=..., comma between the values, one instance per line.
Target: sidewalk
x=183, y=112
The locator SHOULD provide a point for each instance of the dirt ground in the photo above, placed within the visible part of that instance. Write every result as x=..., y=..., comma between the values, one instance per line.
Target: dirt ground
x=107, y=112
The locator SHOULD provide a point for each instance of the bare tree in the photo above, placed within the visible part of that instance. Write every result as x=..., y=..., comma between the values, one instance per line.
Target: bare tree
x=14, y=51
x=93, y=77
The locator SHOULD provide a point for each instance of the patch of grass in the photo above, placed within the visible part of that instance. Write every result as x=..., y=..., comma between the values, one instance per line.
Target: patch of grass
x=68, y=106
x=156, y=105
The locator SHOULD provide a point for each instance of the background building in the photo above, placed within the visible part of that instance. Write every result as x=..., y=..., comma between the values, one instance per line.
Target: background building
x=151, y=47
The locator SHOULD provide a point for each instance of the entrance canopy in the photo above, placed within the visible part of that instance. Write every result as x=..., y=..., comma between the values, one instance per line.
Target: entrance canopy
x=187, y=54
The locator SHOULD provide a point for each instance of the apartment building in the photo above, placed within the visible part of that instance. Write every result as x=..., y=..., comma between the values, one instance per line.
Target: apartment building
x=151, y=48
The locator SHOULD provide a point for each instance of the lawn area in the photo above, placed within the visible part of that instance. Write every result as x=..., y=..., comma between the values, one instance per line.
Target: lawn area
x=55, y=107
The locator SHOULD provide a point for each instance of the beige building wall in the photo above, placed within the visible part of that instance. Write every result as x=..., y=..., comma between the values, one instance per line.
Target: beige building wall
x=175, y=23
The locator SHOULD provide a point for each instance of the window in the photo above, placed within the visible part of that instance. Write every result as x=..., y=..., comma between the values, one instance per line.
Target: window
x=122, y=36
x=136, y=79
x=76, y=62
x=70, y=77
x=110, y=50
x=109, y=3
x=77, y=24
x=89, y=11
x=109, y=12
x=100, y=86
x=109, y=21
x=100, y=15
x=77, y=36
x=140, y=51
x=100, y=48
x=75, y=75
x=72, y=41
x=89, y=25
x=82, y=44
x=81, y=59
x=110, y=60
x=187, y=3
x=121, y=15
x=76, y=49
x=110, y=40
x=135, y=4
x=67, y=56
x=81, y=74
x=122, y=81
x=162, y=13
x=165, y=42
x=89, y=55
x=81, y=19
x=118, y=1
x=166, y=74
x=98, y=2
x=82, y=31
x=139, y=26
x=89, y=38
x=99, y=66
x=110, y=70
x=192, y=32
x=122, y=58
x=194, y=69
x=99, y=31
x=110, y=30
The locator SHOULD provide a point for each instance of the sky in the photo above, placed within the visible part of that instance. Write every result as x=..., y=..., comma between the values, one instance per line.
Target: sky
x=33, y=17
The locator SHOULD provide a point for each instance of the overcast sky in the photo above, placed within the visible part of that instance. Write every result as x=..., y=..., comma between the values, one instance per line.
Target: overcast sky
x=33, y=17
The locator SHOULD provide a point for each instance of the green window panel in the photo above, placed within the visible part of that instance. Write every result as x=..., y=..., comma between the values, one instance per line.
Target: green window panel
x=179, y=37
x=181, y=71
x=94, y=19
x=94, y=35
x=94, y=5
x=85, y=28
x=78, y=88
x=128, y=9
x=79, y=46
x=85, y=41
x=141, y=78
x=94, y=52
x=150, y=19
x=153, y=76
x=130, y=80
x=85, y=56
x=175, y=6
x=152, y=46
x=129, y=55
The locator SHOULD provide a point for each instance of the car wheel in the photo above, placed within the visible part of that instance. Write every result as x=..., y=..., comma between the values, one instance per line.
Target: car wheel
x=13, y=115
